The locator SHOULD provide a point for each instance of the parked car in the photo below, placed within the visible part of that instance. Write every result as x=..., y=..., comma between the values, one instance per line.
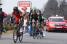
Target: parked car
x=56, y=23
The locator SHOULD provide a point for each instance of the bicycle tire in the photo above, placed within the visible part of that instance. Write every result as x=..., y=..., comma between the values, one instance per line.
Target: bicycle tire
x=15, y=37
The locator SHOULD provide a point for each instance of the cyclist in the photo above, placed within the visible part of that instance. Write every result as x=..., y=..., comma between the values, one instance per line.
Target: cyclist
x=2, y=16
x=17, y=14
x=17, y=23
x=39, y=29
x=25, y=22
x=39, y=17
x=39, y=23
x=33, y=28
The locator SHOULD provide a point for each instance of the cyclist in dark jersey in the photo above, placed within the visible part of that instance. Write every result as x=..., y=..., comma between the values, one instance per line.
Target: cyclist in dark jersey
x=2, y=16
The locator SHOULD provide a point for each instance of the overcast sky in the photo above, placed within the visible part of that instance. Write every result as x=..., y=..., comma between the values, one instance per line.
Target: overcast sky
x=9, y=4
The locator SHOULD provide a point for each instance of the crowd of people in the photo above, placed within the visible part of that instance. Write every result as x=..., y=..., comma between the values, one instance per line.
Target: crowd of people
x=32, y=19
x=36, y=21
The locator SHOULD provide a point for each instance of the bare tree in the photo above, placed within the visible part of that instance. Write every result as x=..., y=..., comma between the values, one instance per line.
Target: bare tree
x=63, y=9
x=51, y=8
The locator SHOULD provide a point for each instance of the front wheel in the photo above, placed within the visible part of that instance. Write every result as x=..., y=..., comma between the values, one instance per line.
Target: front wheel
x=14, y=37
x=34, y=35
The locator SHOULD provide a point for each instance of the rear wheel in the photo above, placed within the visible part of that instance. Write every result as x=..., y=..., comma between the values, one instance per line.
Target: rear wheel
x=39, y=35
x=34, y=36
x=21, y=37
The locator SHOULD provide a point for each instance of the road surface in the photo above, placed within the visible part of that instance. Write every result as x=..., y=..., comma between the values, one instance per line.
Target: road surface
x=50, y=38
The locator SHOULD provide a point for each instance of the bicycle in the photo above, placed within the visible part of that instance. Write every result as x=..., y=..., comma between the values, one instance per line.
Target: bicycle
x=39, y=35
x=18, y=34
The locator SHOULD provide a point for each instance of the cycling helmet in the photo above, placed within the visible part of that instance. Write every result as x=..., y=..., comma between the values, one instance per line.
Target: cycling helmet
x=0, y=9
x=15, y=8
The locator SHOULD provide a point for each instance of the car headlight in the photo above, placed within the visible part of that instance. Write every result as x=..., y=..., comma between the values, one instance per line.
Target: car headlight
x=65, y=24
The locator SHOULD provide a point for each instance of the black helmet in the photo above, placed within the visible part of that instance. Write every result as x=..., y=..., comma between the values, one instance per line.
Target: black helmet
x=0, y=9
x=15, y=8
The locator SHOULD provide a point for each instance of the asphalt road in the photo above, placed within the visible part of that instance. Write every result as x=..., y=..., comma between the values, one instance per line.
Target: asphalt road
x=50, y=38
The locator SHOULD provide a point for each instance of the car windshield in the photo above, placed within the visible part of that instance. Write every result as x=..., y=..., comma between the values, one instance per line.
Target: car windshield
x=56, y=19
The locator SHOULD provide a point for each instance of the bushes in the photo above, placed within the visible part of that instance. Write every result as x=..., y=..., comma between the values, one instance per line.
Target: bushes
x=7, y=27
